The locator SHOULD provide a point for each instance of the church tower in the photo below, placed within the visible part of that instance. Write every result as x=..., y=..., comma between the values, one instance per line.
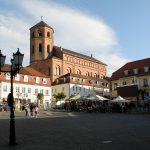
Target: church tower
x=41, y=41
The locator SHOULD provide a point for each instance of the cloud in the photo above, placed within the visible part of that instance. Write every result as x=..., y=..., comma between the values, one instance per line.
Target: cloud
x=14, y=34
x=74, y=30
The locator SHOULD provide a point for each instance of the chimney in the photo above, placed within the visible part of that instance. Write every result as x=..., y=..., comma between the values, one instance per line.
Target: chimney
x=91, y=55
x=60, y=48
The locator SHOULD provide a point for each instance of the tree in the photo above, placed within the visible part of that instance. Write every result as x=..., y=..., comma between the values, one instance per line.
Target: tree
x=40, y=97
x=59, y=96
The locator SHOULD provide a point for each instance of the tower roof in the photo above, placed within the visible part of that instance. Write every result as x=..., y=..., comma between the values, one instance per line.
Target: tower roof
x=42, y=24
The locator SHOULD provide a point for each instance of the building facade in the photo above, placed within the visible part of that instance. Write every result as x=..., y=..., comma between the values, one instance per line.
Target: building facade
x=56, y=61
x=132, y=81
x=26, y=85
x=75, y=84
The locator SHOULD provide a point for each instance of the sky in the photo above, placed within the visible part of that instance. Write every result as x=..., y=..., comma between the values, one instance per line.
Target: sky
x=113, y=31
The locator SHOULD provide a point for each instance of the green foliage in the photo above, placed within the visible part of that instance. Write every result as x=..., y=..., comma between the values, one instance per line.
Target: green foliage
x=59, y=96
x=40, y=97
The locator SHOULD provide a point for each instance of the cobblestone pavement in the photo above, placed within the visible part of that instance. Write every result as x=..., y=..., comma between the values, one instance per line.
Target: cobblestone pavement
x=55, y=130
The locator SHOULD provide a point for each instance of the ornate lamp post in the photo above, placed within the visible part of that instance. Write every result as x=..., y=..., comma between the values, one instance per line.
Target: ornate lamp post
x=16, y=64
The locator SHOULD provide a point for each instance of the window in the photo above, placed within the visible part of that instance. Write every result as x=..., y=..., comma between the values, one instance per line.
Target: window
x=17, y=77
x=39, y=33
x=115, y=85
x=40, y=47
x=5, y=88
x=36, y=91
x=73, y=88
x=76, y=88
x=46, y=92
x=17, y=89
x=23, y=90
x=32, y=34
x=48, y=48
x=44, y=81
x=87, y=73
x=25, y=78
x=146, y=69
x=78, y=71
x=29, y=90
x=7, y=76
x=57, y=70
x=41, y=91
x=126, y=72
x=68, y=70
x=48, y=34
x=135, y=71
x=145, y=82
x=80, y=89
x=37, y=80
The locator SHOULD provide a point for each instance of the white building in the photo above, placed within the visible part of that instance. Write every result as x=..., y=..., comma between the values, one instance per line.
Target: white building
x=26, y=85
x=75, y=84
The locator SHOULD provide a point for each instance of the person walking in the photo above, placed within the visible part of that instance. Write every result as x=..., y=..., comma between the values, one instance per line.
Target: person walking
x=36, y=110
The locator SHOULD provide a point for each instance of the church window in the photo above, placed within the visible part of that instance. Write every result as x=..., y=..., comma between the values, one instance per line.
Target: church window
x=48, y=48
x=91, y=74
x=57, y=70
x=40, y=47
x=87, y=73
x=68, y=70
x=40, y=33
x=32, y=34
x=48, y=34
x=78, y=72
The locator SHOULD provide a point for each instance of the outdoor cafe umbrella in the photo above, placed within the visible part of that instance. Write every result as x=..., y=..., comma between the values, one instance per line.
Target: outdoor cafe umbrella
x=119, y=99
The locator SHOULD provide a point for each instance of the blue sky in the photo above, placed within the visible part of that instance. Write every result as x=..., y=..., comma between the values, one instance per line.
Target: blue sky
x=114, y=31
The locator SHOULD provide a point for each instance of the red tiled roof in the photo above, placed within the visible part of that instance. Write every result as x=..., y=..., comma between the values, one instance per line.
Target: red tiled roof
x=25, y=70
x=139, y=64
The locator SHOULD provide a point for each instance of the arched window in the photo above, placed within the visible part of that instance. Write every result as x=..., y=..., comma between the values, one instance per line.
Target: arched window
x=87, y=73
x=40, y=47
x=48, y=48
x=78, y=71
x=48, y=34
x=32, y=34
x=68, y=70
x=57, y=70
x=39, y=33
x=91, y=74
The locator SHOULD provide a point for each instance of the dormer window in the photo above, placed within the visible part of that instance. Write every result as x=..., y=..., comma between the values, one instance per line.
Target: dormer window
x=37, y=80
x=44, y=81
x=17, y=77
x=146, y=68
x=7, y=76
x=135, y=71
x=126, y=72
x=25, y=78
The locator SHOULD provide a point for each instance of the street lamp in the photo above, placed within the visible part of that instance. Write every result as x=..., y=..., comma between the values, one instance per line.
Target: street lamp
x=16, y=64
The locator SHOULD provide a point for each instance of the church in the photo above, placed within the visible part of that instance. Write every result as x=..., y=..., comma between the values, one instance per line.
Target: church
x=70, y=72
